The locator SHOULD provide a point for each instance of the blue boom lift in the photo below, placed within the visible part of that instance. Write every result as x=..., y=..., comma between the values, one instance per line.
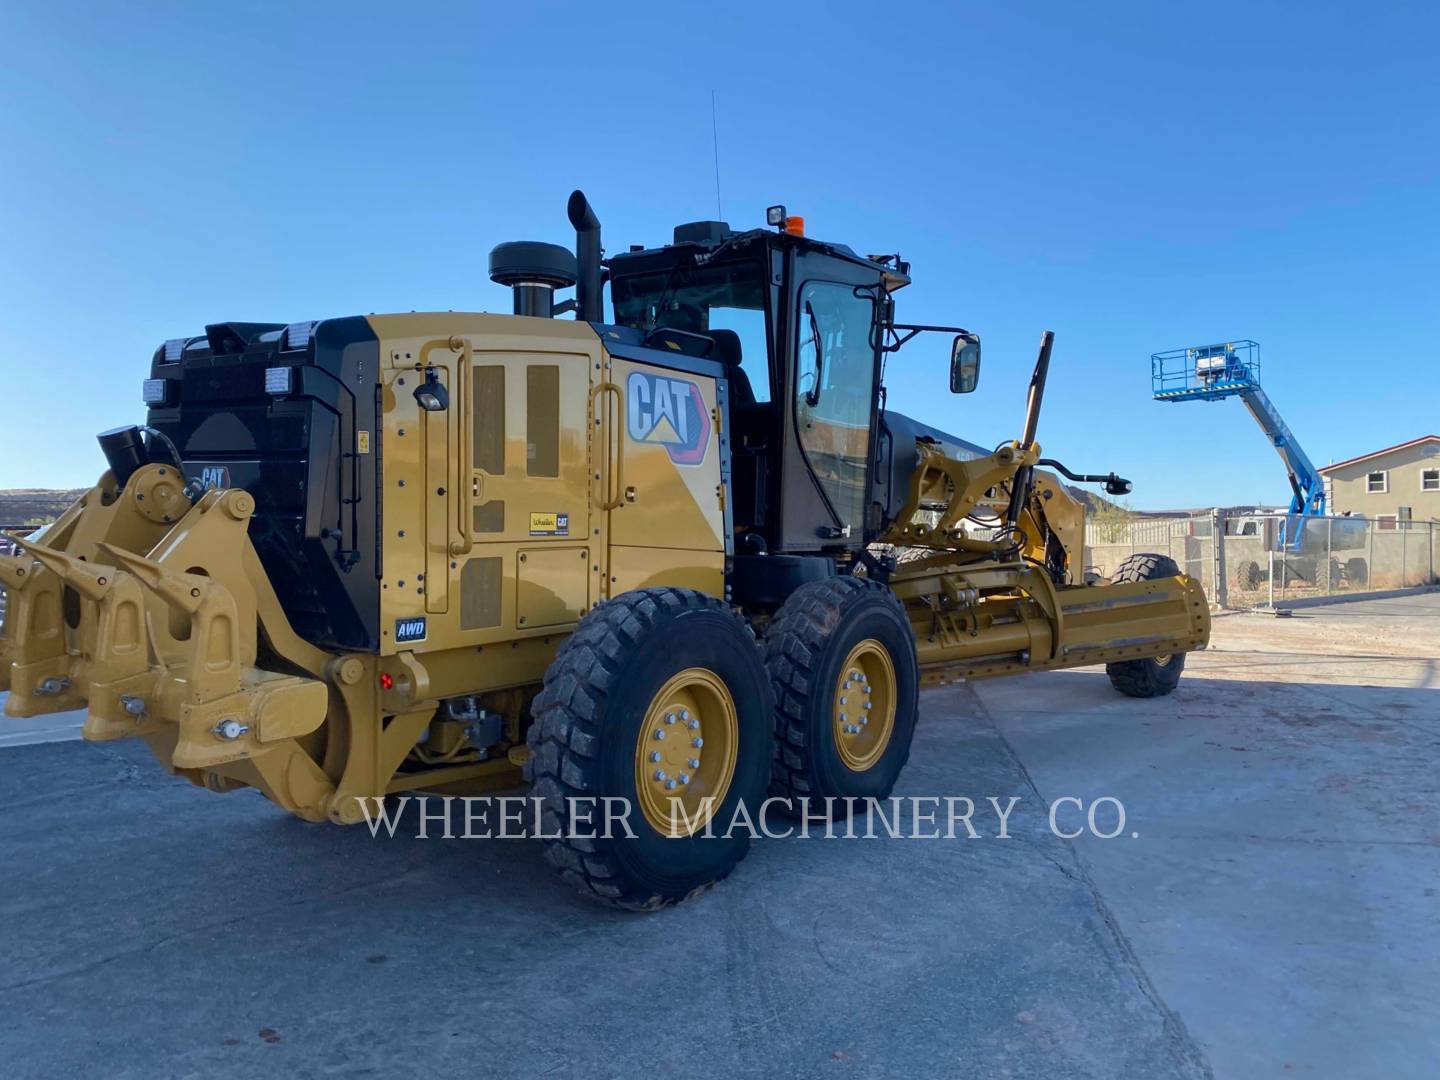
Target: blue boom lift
x=1216, y=372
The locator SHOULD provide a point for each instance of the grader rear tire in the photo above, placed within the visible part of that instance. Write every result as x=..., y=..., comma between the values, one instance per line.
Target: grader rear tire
x=1155, y=676
x=841, y=658
x=659, y=694
x=1357, y=573
x=1250, y=576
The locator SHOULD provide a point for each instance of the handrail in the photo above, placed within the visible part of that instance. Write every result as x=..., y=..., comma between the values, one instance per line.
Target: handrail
x=465, y=468
x=612, y=464
x=459, y=498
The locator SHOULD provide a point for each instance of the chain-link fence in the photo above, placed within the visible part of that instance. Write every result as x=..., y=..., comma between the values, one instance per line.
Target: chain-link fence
x=1251, y=567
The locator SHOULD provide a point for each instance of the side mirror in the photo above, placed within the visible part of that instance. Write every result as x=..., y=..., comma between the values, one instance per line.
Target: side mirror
x=964, y=363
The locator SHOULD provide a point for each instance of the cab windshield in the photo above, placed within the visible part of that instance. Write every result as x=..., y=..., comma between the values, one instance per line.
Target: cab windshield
x=702, y=299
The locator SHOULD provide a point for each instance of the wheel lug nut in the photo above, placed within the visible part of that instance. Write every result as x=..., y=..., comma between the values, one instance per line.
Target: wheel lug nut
x=684, y=778
x=694, y=725
x=669, y=718
x=842, y=699
x=659, y=774
x=659, y=734
x=697, y=742
x=669, y=785
x=684, y=714
x=694, y=763
x=654, y=755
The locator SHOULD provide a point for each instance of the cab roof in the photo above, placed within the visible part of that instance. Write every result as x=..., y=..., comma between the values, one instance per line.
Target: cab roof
x=704, y=237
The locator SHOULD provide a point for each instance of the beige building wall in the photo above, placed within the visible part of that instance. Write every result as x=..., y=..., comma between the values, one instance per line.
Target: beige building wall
x=1407, y=476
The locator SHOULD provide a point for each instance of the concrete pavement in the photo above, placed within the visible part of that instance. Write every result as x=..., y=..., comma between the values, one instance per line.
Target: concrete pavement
x=29, y=730
x=1275, y=915
x=1282, y=896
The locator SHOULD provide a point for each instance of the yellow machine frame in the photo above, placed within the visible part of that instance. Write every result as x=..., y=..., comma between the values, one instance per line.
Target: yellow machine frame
x=157, y=614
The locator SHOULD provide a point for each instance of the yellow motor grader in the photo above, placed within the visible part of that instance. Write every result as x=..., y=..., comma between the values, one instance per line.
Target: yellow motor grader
x=678, y=561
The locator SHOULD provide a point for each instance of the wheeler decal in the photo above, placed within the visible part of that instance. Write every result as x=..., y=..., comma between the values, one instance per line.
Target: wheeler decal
x=549, y=524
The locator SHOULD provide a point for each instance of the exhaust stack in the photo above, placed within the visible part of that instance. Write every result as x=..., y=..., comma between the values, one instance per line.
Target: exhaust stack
x=588, y=304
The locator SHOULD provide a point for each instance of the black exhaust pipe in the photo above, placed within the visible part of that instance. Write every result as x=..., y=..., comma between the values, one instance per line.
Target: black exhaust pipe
x=588, y=305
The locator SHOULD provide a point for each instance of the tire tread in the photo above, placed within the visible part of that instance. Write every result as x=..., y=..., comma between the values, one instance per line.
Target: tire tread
x=564, y=735
x=1145, y=678
x=793, y=646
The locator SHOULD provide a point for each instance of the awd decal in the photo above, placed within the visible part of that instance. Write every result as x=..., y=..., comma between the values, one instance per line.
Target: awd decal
x=410, y=629
x=668, y=411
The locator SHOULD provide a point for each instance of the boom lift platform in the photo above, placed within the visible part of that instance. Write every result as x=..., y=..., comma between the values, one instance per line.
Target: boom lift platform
x=1232, y=369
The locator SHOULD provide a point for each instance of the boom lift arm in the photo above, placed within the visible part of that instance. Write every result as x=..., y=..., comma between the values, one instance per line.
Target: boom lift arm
x=1307, y=489
x=1232, y=369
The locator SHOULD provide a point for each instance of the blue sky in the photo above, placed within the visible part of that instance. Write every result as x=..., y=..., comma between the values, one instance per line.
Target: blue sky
x=1133, y=176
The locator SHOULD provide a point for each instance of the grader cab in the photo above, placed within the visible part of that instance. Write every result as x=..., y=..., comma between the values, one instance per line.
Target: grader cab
x=678, y=561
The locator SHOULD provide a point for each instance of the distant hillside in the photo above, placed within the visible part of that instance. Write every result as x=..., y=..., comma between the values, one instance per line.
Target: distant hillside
x=34, y=506
x=1090, y=500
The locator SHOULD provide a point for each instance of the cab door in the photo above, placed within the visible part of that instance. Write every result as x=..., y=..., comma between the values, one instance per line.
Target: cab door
x=833, y=387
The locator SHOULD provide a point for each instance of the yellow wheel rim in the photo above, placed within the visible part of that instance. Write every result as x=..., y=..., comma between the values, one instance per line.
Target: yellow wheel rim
x=685, y=755
x=863, y=713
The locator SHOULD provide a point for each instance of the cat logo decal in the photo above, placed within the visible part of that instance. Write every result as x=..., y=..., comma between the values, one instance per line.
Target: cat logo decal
x=669, y=411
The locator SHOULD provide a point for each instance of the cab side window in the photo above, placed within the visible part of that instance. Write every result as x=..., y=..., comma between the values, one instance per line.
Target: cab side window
x=835, y=389
x=748, y=325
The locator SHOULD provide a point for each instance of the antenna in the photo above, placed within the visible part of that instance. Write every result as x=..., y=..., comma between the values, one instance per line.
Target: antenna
x=715, y=142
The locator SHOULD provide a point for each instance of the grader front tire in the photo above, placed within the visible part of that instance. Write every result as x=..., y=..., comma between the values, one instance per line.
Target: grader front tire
x=667, y=674
x=842, y=664
x=1154, y=676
